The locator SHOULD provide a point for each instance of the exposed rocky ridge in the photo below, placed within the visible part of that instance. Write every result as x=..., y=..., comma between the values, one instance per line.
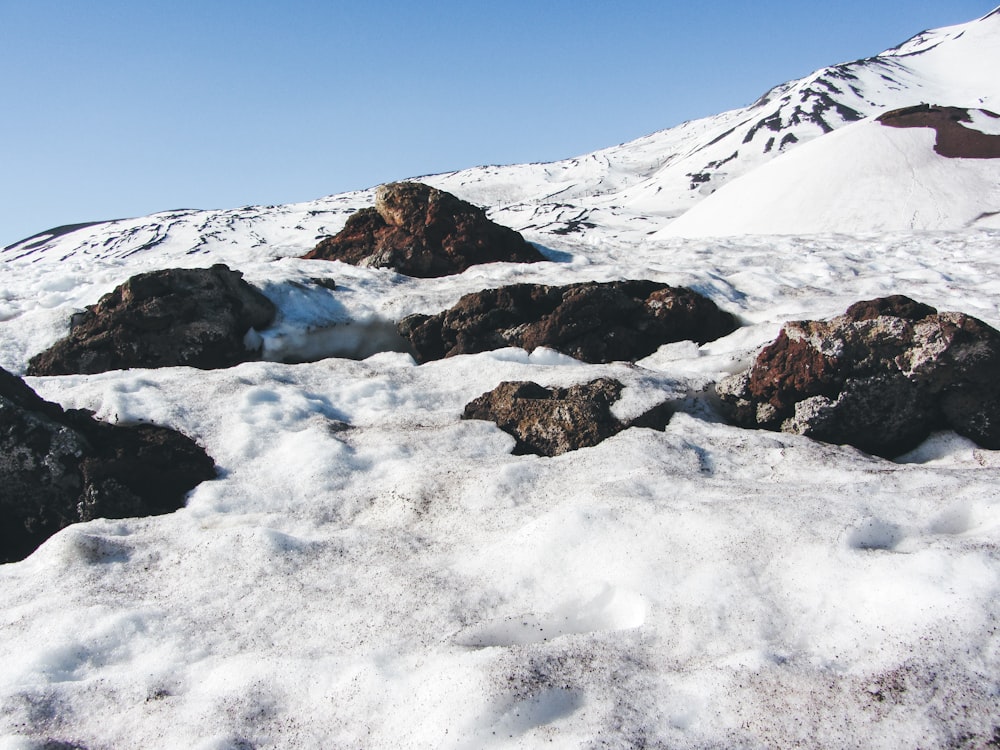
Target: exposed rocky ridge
x=60, y=467
x=421, y=231
x=592, y=321
x=197, y=317
x=954, y=140
x=880, y=377
x=552, y=421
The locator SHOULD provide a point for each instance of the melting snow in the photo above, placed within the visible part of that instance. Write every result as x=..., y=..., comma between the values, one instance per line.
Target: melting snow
x=370, y=570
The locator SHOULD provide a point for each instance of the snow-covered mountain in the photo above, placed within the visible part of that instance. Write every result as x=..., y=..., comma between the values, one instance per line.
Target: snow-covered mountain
x=659, y=177
x=370, y=570
x=662, y=175
x=865, y=177
x=632, y=189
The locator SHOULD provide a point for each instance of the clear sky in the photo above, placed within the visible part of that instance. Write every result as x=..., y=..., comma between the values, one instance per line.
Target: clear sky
x=111, y=108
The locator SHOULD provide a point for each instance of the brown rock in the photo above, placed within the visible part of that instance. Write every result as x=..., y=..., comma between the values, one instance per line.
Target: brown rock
x=60, y=467
x=594, y=322
x=954, y=140
x=895, y=305
x=197, y=317
x=425, y=232
x=794, y=370
x=884, y=415
x=552, y=421
x=879, y=377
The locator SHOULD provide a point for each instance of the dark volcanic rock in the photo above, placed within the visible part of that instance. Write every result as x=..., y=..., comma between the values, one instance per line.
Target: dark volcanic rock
x=197, y=317
x=954, y=140
x=551, y=421
x=422, y=231
x=880, y=378
x=594, y=322
x=60, y=467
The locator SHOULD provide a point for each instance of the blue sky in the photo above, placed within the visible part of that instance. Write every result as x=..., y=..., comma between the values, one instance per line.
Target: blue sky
x=114, y=109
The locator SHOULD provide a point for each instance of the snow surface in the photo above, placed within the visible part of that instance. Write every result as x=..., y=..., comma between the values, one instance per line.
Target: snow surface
x=863, y=177
x=371, y=571
x=982, y=122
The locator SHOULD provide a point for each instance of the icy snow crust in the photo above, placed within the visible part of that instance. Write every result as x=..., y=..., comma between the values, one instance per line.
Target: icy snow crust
x=371, y=571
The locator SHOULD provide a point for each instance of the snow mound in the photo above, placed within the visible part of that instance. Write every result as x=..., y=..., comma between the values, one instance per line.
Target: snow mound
x=863, y=178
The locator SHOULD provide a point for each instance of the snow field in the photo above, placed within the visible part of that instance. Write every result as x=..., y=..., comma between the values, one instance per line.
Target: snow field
x=370, y=570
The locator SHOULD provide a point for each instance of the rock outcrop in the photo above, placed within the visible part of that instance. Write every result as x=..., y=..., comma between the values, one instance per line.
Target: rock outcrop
x=421, y=231
x=594, y=322
x=880, y=378
x=59, y=467
x=199, y=317
x=953, y=139
x=552, y=421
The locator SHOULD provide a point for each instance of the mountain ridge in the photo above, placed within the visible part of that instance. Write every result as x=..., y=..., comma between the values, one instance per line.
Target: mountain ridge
x=634, y=188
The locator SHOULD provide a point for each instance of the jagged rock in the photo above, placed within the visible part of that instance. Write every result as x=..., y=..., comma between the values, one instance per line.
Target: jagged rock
x=880, y=378
x=59, y=467
x=552, y=421
x=594, y=322
x=199, y=317
x=422, y=231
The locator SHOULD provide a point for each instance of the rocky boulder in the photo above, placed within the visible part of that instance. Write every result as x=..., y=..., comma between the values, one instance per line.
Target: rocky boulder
x=552, y=421
x=421, y=231
x=880, y=378
x=594, y=322
x=199, y=317
x=59, y=467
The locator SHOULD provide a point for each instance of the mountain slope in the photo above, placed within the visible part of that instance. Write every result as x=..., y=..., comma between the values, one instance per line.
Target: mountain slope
x=865, y=177
x=662, y=175
x=632, y=189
